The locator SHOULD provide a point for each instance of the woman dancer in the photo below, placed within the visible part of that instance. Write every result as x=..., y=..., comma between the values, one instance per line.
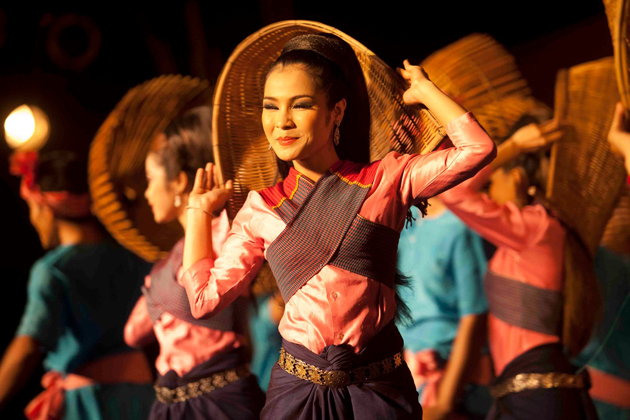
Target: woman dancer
x=202, y=364
x=527, y=339
x=79, y=296
x=330, y=233
x=445, y=263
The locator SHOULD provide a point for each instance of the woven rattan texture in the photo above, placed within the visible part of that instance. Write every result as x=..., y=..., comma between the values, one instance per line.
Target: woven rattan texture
x=482, y=76
x=475, y=71
x=116, y=162
x=239, y=141
x=618, y=14
x=585, y=176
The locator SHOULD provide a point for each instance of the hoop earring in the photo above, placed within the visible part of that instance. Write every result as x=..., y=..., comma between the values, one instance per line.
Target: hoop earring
x=336, y=134
x=178, y=201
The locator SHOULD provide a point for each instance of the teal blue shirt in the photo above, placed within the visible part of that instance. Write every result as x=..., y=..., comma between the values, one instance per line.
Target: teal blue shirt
x=266, y=341
x=446, y=264
x=79, y=299
x=613, y=273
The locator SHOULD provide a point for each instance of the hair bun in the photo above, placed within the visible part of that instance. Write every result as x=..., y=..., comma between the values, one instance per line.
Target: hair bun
x=328, y=46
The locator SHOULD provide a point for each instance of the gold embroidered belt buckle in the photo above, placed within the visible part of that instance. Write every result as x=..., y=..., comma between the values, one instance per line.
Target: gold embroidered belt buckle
x=337, y=378
x=527, y=381
x=216, y=381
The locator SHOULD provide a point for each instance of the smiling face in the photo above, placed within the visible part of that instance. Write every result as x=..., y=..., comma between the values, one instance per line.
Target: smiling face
x=296, y=119
x=160, y=192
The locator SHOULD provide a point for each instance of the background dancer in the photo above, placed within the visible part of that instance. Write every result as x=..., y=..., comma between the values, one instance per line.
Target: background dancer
x=79, y=296
x=445, y=263
x=202, y=365
x=528, y=264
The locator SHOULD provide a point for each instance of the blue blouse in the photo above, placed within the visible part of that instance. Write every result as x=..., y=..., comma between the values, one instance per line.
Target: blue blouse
x=446, y=263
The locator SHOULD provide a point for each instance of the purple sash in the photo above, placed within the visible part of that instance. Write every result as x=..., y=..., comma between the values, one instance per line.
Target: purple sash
x=392, y=396
x=166, y=295
x=323, y=227
x=524, y=305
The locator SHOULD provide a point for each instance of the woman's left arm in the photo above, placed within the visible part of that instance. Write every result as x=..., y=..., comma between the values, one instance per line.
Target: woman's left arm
x=430, y=174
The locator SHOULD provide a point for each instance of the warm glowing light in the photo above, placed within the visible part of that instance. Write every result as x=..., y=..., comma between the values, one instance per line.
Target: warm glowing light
x=26, y=128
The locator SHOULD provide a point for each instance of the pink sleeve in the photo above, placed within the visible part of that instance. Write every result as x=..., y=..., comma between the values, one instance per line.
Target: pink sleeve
x=212, y=285
x=139, y=327
x=424, y=176
x=504, y=225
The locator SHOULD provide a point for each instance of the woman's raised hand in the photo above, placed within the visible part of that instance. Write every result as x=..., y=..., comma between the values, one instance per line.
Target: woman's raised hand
x=417, y=78
x=618, y=136
x=208, y=194
x=534, y=137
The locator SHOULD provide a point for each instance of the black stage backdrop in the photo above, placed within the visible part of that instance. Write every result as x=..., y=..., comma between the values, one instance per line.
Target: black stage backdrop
x=145, y=39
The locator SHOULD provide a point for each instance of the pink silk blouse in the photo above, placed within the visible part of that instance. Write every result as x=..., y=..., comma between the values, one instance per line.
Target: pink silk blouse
x=530, y=249
x=182, y=345
x=337, y=306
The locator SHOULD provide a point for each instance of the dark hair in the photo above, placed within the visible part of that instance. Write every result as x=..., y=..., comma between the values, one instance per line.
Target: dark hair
x=187, y=145
x=62, y=171
x=334, y=67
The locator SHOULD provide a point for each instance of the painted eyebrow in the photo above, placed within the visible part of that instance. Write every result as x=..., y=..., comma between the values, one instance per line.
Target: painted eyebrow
x=293, y=98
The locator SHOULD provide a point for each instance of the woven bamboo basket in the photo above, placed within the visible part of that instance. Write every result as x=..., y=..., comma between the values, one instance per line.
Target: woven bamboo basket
x=479, y=74
x=585, y=177
x=237, y=129
x=499, y=117
x=116, y=162
x=618, y=14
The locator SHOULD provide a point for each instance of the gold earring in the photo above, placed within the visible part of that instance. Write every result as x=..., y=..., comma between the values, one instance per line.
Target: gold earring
x=336, y=134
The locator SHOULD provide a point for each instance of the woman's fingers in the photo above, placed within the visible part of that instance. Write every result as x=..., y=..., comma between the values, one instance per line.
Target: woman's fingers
x=198, y=179
x=404, y=73
x=215, y=177
x=209, y=176
x=617, y=123
x=554, y=136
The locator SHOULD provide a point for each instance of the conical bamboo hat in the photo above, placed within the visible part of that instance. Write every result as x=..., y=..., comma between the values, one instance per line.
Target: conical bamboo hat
x=482, y=76
x=238, y=97
x=586, y=177
x=116, y=163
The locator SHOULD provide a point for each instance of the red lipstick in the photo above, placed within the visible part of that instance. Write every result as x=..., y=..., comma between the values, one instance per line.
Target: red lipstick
x=286, y=141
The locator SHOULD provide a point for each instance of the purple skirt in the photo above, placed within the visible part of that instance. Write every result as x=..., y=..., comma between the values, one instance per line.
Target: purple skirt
x=542, y=404
x=390, y=396
x=242, y=399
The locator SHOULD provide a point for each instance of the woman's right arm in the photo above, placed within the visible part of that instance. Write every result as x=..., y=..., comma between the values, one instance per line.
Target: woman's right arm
x=211, y=284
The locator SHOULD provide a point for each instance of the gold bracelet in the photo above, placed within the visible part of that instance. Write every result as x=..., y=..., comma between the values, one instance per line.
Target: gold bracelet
x=198, y=208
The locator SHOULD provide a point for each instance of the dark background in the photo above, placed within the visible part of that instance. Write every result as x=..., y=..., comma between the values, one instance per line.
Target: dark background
x=139, y=41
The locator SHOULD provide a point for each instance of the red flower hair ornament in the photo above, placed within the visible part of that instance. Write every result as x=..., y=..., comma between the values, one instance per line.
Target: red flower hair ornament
x=64, y=204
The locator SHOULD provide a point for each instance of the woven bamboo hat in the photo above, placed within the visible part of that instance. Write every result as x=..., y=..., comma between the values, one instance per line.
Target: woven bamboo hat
x=585, y=177
x=618, y=14
x=482, y=76
x=238, y=96
x=116, y=163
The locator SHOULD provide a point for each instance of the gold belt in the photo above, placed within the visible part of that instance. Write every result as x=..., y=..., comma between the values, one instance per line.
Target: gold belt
x=203, y=386
x=527, y=381
x=337, y=378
